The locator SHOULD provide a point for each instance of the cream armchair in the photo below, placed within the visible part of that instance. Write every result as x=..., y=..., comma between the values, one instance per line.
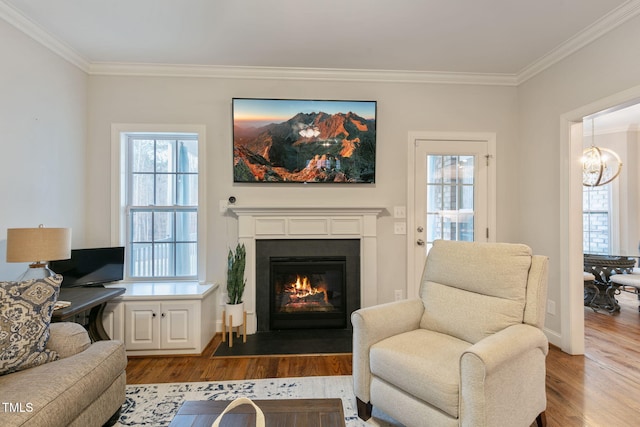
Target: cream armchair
x=469, y=352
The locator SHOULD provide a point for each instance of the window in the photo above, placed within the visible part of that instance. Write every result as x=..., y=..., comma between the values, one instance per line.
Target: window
x=162, y=205
x=596, y=222
x=158, y=197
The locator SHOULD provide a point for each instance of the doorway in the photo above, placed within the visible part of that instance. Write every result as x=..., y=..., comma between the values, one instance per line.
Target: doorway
x=572, y=137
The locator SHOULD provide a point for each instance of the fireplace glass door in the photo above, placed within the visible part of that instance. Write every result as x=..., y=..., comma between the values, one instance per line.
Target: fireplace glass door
x=307, y=292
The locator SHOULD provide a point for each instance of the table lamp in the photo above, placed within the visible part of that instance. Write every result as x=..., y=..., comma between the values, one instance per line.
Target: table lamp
x=38, y=246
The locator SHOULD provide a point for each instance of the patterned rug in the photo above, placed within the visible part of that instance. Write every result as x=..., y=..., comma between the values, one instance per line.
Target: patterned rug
x=156, y=404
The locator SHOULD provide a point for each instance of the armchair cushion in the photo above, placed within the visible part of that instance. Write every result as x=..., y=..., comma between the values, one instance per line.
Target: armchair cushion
x=433, y=375
x=479, y=296
x=24, y=322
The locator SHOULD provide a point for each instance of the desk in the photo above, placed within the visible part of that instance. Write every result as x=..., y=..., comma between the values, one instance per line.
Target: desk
x=601, y=293
x=83, y=299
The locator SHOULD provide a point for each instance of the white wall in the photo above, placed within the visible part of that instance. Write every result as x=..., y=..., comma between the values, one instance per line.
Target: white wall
x=43, y=103
x=42, y=112
x=607, y=66
x=402, y=107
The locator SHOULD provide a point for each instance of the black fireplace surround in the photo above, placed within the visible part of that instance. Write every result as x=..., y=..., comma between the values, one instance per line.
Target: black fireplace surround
x=331, y=267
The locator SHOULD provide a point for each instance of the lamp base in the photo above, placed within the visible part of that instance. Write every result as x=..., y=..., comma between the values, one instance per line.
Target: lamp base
x=36, y=271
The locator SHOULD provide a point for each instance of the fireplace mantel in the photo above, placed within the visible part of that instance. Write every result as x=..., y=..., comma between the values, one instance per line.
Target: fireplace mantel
x=304, y=210
x=308, y=222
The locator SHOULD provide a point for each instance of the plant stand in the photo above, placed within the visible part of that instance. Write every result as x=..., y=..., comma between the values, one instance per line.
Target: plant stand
x=224, y=328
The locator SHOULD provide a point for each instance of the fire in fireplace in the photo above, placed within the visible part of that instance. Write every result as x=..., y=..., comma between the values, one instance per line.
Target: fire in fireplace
x=307, y=292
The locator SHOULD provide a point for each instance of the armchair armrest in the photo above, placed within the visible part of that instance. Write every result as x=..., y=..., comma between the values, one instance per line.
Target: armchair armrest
x=500, y=377
x=67, y=339
x=372, y=325
x=508, y=344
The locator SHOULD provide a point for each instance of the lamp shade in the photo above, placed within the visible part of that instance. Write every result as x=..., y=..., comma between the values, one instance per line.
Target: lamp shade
x=38, y=244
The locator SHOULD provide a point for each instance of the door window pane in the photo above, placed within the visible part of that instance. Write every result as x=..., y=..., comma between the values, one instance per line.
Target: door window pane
x=450, y=198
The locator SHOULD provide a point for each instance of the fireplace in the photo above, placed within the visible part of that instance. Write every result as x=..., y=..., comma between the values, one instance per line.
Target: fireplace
x=307, y=292
x=307, y=283
x=260, y=223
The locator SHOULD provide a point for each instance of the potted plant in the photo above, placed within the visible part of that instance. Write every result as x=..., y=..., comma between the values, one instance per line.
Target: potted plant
x=235, y=285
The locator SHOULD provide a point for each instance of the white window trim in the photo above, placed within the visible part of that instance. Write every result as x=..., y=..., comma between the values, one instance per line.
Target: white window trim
x=118, y=183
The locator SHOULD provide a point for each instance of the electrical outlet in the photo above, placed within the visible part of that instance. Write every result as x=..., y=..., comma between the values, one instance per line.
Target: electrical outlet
x=399, y=228
x=398, y=294
x=399, y=211
x=551, y=307
x=223, y=206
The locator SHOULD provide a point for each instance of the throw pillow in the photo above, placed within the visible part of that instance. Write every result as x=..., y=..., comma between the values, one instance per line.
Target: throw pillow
x=25, y=314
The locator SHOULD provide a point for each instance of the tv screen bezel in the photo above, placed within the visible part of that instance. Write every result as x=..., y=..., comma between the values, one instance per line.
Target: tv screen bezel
x=118, y=251
x=307, y=107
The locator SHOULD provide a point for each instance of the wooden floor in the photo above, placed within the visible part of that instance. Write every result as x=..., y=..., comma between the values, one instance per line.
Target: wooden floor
x=601, y=388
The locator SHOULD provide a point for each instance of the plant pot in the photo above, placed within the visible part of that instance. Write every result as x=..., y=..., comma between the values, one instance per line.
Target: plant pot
x=235, y=313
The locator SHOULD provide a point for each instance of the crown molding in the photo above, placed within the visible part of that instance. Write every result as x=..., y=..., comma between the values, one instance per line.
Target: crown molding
x=596, y=30
x=607, y=23
x=282, y=73
x=14, y=17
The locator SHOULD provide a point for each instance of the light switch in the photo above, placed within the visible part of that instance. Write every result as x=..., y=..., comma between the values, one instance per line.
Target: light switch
x=399, y=211
x=399, y=228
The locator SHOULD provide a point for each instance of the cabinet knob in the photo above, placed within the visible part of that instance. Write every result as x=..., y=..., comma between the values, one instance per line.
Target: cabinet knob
x=163, y=314
x=153, y=314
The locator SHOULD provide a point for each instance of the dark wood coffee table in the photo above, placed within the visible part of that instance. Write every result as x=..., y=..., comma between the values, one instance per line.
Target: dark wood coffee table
x=284, y=412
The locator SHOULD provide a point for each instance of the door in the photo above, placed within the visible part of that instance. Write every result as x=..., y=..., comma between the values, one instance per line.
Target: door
x=178, y=325
x=452, y=196
x=142, y=327
x=112, y=320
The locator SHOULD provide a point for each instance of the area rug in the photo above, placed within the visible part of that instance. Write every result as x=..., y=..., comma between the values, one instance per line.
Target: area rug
x=277, y=343
x=156, y=404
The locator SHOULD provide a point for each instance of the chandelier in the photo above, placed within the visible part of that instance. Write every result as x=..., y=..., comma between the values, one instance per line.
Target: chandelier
x=600, y=165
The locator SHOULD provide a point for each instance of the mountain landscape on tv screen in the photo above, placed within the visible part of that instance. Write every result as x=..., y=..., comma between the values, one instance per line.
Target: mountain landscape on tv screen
x=309, y=147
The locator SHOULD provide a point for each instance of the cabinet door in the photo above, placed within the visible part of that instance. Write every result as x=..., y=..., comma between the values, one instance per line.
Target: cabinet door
x=178, y=325
x=142, y=325
x=112, y=320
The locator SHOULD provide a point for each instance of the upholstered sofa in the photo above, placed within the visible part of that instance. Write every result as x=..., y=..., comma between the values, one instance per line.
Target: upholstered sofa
x=84, y=387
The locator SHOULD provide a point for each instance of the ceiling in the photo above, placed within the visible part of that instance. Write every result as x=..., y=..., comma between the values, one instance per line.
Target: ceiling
x=451, y=36
x=514, y=38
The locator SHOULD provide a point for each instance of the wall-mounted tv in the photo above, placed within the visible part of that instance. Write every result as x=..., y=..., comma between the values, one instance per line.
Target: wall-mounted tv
x=91, y=267
x=304, y=141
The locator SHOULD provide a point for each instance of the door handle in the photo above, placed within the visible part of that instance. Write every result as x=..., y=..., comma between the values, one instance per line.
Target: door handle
x=420, y=242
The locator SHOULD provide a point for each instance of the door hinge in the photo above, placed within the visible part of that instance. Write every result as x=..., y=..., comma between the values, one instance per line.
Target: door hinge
x=487, y=232
x=487, y=157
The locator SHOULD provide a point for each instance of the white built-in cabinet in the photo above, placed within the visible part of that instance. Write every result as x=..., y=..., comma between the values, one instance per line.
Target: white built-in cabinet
x=160, y=319
x=113, y=320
